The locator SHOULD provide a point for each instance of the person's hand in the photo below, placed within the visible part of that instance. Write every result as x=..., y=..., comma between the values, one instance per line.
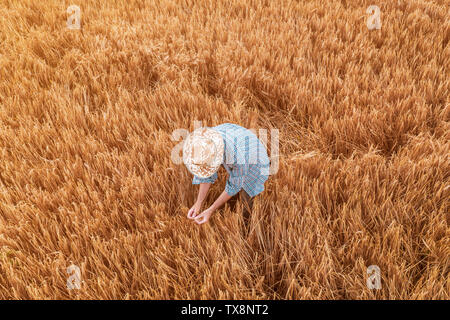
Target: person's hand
x=204, y=216
x=194, y=211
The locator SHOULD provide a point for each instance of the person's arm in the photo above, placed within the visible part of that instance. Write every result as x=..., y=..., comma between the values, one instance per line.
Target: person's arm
x=220, y=201
x=234, y=184
x=202, y=192
x=204, y=183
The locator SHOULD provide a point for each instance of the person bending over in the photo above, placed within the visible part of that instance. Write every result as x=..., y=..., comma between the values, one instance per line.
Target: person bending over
x=242, y=155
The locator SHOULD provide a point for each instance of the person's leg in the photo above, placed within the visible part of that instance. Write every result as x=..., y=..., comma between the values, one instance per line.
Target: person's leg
x=247, y=205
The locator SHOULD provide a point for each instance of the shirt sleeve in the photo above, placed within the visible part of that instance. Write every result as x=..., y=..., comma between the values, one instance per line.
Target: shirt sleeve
x=236, y=180
x=211, y=179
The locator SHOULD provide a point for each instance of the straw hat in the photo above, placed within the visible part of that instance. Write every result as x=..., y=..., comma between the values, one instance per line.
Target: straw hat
x=203, y=152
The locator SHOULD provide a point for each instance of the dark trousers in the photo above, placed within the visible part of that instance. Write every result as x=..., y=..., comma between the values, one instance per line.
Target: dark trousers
x=247, y=205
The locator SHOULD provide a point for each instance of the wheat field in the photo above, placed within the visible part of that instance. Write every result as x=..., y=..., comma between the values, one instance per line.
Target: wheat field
x=86, y=123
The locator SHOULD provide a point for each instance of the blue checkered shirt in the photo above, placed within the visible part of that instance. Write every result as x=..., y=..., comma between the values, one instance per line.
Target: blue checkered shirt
x=245, y=159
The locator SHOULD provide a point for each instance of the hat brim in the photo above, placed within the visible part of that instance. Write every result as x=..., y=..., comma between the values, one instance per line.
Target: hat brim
x=203, y=171
x=208, y=169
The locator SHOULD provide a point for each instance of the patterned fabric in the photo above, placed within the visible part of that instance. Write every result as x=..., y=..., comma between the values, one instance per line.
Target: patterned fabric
x=245, y=159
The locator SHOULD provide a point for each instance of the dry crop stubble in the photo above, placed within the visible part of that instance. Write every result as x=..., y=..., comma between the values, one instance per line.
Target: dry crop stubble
x=86, y=177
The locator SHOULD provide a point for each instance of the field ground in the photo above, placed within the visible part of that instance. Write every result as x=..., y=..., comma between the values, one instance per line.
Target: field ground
x=86, y=177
